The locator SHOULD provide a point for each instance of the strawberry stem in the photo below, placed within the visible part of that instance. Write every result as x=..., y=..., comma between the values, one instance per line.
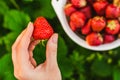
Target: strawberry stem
x=43, y=42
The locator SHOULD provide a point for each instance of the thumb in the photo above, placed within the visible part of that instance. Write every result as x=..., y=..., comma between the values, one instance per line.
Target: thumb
x=51, y=51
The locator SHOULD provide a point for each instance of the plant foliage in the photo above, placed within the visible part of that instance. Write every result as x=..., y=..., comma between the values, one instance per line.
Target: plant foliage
x=75, y=62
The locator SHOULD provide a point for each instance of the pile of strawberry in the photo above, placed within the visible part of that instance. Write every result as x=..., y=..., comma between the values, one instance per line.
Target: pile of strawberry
x=98, y=21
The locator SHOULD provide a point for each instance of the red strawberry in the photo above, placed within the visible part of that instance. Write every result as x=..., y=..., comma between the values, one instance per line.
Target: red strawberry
x=94, y=39
x=79, y=3
x=72, y=26
x=78, y=19
x=69, y=9
x=98, y=24
x=42, y=29
x=87, y=28
x=113, y=10
x=112, y=27
x=108, y=38
x=100, y=7
x=87, y=11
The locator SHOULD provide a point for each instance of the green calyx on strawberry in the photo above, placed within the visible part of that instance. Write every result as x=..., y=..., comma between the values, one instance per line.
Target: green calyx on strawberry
x=98, y=24
x=112, y=27
x=42, y=29
x=94, y=39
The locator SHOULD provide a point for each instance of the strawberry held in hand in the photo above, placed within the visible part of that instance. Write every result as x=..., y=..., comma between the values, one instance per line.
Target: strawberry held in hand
x=42, y=29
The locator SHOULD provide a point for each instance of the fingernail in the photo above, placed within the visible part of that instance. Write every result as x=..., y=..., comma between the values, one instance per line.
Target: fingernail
x=55, y=38
x=29, y=24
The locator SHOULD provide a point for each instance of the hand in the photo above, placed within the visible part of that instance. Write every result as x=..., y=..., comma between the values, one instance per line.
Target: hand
x=25, y=65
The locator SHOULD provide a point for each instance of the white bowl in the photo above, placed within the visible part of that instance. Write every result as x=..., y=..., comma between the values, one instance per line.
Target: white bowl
x=58, y=6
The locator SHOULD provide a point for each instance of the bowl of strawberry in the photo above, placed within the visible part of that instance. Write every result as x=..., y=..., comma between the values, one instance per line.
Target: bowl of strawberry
x=92, y=24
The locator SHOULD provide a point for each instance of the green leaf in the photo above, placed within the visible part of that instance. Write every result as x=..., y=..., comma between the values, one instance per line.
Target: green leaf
x=9, y=39
x=116, y=74
x=77, y=57
x=1, y=40
x=4, y=63
x=27, y=0
x=2, y=49
x=39, y=53
x=62, y=48
x=82, y=77
x=78, y=61
x=66, y=68
x=16, y=20
x=45, y=9
x=3, y=8
x=9, y=76
x=101, y=68
x=6, y=67
x=65, y=64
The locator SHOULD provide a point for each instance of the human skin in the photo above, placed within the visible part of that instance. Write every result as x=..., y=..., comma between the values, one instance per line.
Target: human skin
x=25, y=67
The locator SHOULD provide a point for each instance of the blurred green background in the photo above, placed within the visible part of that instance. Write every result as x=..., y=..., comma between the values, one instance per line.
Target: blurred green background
x=75, y=62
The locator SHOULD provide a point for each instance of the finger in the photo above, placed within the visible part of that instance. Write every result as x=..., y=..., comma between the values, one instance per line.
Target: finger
x=33, y=62
x=51, y=51
x=14, y=46
x=22, y=48
x=14, y=60
x=30, y=49
x=18, y=39
x=32, y=46
x=27, y=36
